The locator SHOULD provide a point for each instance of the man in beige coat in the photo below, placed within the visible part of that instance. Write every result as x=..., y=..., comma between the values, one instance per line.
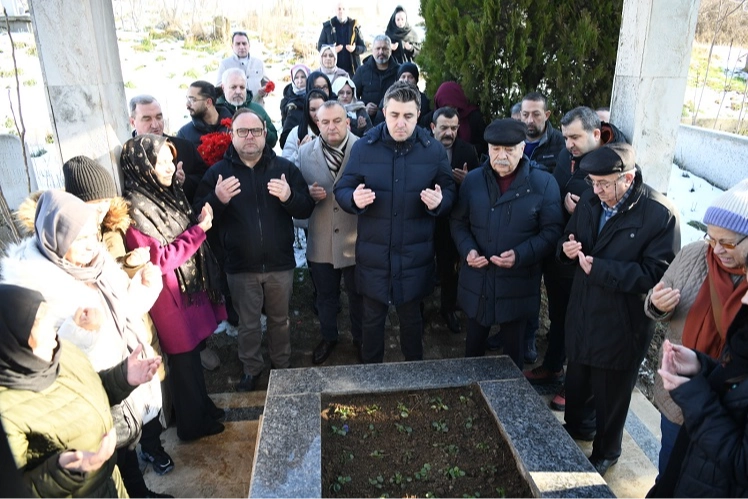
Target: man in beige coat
x=331, y=242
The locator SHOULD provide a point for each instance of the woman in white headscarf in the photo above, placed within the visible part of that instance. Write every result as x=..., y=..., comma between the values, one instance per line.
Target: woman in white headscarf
x=328, y=59
x=345, y=89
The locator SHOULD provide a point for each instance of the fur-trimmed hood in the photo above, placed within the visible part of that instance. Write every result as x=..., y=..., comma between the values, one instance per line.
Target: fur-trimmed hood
x=116, y=219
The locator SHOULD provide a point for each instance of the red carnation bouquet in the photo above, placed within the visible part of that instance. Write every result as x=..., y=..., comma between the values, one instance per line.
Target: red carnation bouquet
x=214, y=145
x=269, y=87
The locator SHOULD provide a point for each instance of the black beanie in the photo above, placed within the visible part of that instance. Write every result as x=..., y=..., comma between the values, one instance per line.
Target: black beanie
x=408, y=67
x=87, y=180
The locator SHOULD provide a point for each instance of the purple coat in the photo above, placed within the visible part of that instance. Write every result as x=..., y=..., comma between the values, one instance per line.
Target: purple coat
x=181, y=327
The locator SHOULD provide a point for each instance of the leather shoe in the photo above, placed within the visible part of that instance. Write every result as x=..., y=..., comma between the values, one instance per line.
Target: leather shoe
x=451, y=320
x=323, y=351
x=558, y=402
x=247, y=383
x=580, y=435
x=602, y=465
x=541, y=375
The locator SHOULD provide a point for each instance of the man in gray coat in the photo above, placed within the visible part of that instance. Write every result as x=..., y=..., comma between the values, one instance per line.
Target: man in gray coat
x=331, y=242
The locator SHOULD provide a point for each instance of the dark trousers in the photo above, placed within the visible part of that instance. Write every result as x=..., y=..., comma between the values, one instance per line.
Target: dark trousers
x=192, y=405
x=127, y=462
x=558, y=290
x=326, y=279
x=447, y=264
x=669, y=431
x=411, y=330
x=512, y=337
x=150, y=440
x=598, y=400
x=533, y=323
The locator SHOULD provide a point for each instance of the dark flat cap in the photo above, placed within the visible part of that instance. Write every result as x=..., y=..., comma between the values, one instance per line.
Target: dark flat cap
x=610, y=158
x=505, y=132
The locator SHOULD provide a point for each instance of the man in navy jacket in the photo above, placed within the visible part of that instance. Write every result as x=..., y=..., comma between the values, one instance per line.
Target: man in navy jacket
x=397, y=181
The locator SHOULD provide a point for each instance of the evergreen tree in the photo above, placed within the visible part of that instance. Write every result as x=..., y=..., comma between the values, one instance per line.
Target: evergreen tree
x=499, y=50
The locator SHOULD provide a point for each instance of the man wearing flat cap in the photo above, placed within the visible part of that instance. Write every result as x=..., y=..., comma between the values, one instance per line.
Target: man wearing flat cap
x=507, y=220
x=621, y=238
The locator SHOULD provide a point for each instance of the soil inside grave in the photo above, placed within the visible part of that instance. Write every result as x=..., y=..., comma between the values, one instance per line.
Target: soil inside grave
x=425, y=443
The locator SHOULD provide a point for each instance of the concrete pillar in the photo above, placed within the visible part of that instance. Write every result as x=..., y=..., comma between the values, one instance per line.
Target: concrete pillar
x=654, y=51
x=77, y=45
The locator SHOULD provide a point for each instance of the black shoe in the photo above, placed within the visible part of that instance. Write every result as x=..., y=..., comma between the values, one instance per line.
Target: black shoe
x=150, y=493
x=602, y=465
x=451, y=320
x=214, y=428
x=247, y=383
x=218, y=414
x=323, y=351
x=580, y=435
x=161, y=461
x=494, y=343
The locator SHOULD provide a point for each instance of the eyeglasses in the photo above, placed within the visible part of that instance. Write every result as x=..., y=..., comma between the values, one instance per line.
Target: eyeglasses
x=242, y=133
x=602, y=184
x=728, y=246
x=192, y=99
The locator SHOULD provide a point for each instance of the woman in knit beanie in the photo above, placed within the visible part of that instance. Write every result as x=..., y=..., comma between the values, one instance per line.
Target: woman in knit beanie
x=699, y=295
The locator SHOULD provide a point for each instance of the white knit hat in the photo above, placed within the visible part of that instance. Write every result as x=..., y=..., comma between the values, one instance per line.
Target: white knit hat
x=730, y=210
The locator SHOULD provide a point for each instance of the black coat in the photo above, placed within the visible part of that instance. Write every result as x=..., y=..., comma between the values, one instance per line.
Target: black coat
x=196, y=128
x=527, y=219
x=605, y=322
x=192, y=163
x=371, y=83
x=348, y=33
x=545, y=154
x=292, y=111
x=255, y=228
x=716, y=423
x=395, y=247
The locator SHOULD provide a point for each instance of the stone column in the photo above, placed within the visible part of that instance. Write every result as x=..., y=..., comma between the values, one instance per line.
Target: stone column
x=654, y=51
x=77, y=45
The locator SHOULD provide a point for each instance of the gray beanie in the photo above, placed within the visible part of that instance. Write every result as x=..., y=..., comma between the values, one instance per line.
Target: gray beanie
x=88, y=180
x=730, y=210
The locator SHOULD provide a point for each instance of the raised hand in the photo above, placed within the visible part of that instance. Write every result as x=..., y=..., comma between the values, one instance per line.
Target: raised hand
x=227, y=189
x=505, y=260
x=432, y=198
x=139, y=370
x=585, y=262
x=678, y=362
x=179, y=174
x=150, y=275
x=570, y=202
x=665, y=298
x=363, y=197
x=89, y=319
x=475, y=260
x=318, y=193
x=138, y=257
x=572, y=248
x=86, y=461
x=206, y=217
x=460, y=173
x=280, y=188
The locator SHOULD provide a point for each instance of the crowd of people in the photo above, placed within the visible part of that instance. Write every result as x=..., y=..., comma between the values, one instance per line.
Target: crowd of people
x=395, y=195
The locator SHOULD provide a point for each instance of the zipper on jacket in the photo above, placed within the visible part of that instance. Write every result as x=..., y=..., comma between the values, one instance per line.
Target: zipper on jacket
x=259, y=218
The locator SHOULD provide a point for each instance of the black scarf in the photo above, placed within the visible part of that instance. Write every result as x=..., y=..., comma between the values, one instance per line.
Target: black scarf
x=397, y=34
x=164, y=213
x=20, y=369
x=734, y=362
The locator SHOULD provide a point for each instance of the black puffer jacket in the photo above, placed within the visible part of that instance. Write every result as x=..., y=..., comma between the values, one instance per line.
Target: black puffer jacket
x=605, y=322
x=255, y=228
x=546, y=152
x=395, y=244
x=196, y=128
x=371, y=83
x=527, y=219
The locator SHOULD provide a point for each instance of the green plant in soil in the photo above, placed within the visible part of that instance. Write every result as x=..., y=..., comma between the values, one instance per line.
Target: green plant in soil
x=438, y=405
x=454, y=472
x=403, y=409
x=469, y=422
x=377, y=481
x=370, y=410
x=345, y=412
x=339, y=482
x=400, y=480
x=377, y=453
x=403, y=428
x=340, y=430
x=440, y=426
x=424, y=472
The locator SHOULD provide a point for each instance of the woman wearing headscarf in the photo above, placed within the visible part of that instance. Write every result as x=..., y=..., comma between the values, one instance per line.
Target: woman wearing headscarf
x=472, y=125
x=293, y=96
x=188, y=307
x=53, y=405
x=345, y=89
x=405, y=41
x=699, y=295
x=307, y=128
x=710, y=454
x=93, y=304
x=328, y=59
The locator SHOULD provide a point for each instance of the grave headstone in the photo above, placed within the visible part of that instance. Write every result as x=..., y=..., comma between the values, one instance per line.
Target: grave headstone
x=13, y=172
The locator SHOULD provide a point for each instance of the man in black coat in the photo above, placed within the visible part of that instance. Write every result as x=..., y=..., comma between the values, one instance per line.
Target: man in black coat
x=543, y=142
x=255, y=195
x=397, y=181
x=508, y=218
x=206, y=115
x=462, y=158
x=620, y=240
x=345, y=34
x=376, y=74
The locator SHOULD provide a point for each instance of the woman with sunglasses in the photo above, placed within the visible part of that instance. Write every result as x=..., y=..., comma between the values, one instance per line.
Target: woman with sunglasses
x=699, y=295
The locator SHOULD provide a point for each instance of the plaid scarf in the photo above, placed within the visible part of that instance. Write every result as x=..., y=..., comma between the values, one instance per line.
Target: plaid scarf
x=334, y=155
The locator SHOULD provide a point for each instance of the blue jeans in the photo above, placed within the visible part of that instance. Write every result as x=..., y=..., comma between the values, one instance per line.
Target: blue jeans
x=669, y=434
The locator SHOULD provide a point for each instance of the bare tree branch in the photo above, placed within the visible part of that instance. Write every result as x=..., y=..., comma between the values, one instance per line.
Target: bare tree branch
x=20, y=126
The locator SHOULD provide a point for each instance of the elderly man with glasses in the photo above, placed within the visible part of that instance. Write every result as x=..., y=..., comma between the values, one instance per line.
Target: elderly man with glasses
x=620, y=240
x=255, y=195
x=252, y=67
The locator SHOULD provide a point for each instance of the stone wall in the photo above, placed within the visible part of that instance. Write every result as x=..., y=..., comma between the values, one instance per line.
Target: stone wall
x=718, y=157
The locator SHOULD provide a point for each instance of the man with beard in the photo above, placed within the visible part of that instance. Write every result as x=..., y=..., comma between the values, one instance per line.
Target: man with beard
x=344, y=34
x=583, y=133
x=462, y=159
x=146, y=117
x=507, y=220
x=206, y=115
x=236, y=95
x=255, y=195
x=252, y=67
x=543, y=142
x=376, y=74
x=397, y=181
